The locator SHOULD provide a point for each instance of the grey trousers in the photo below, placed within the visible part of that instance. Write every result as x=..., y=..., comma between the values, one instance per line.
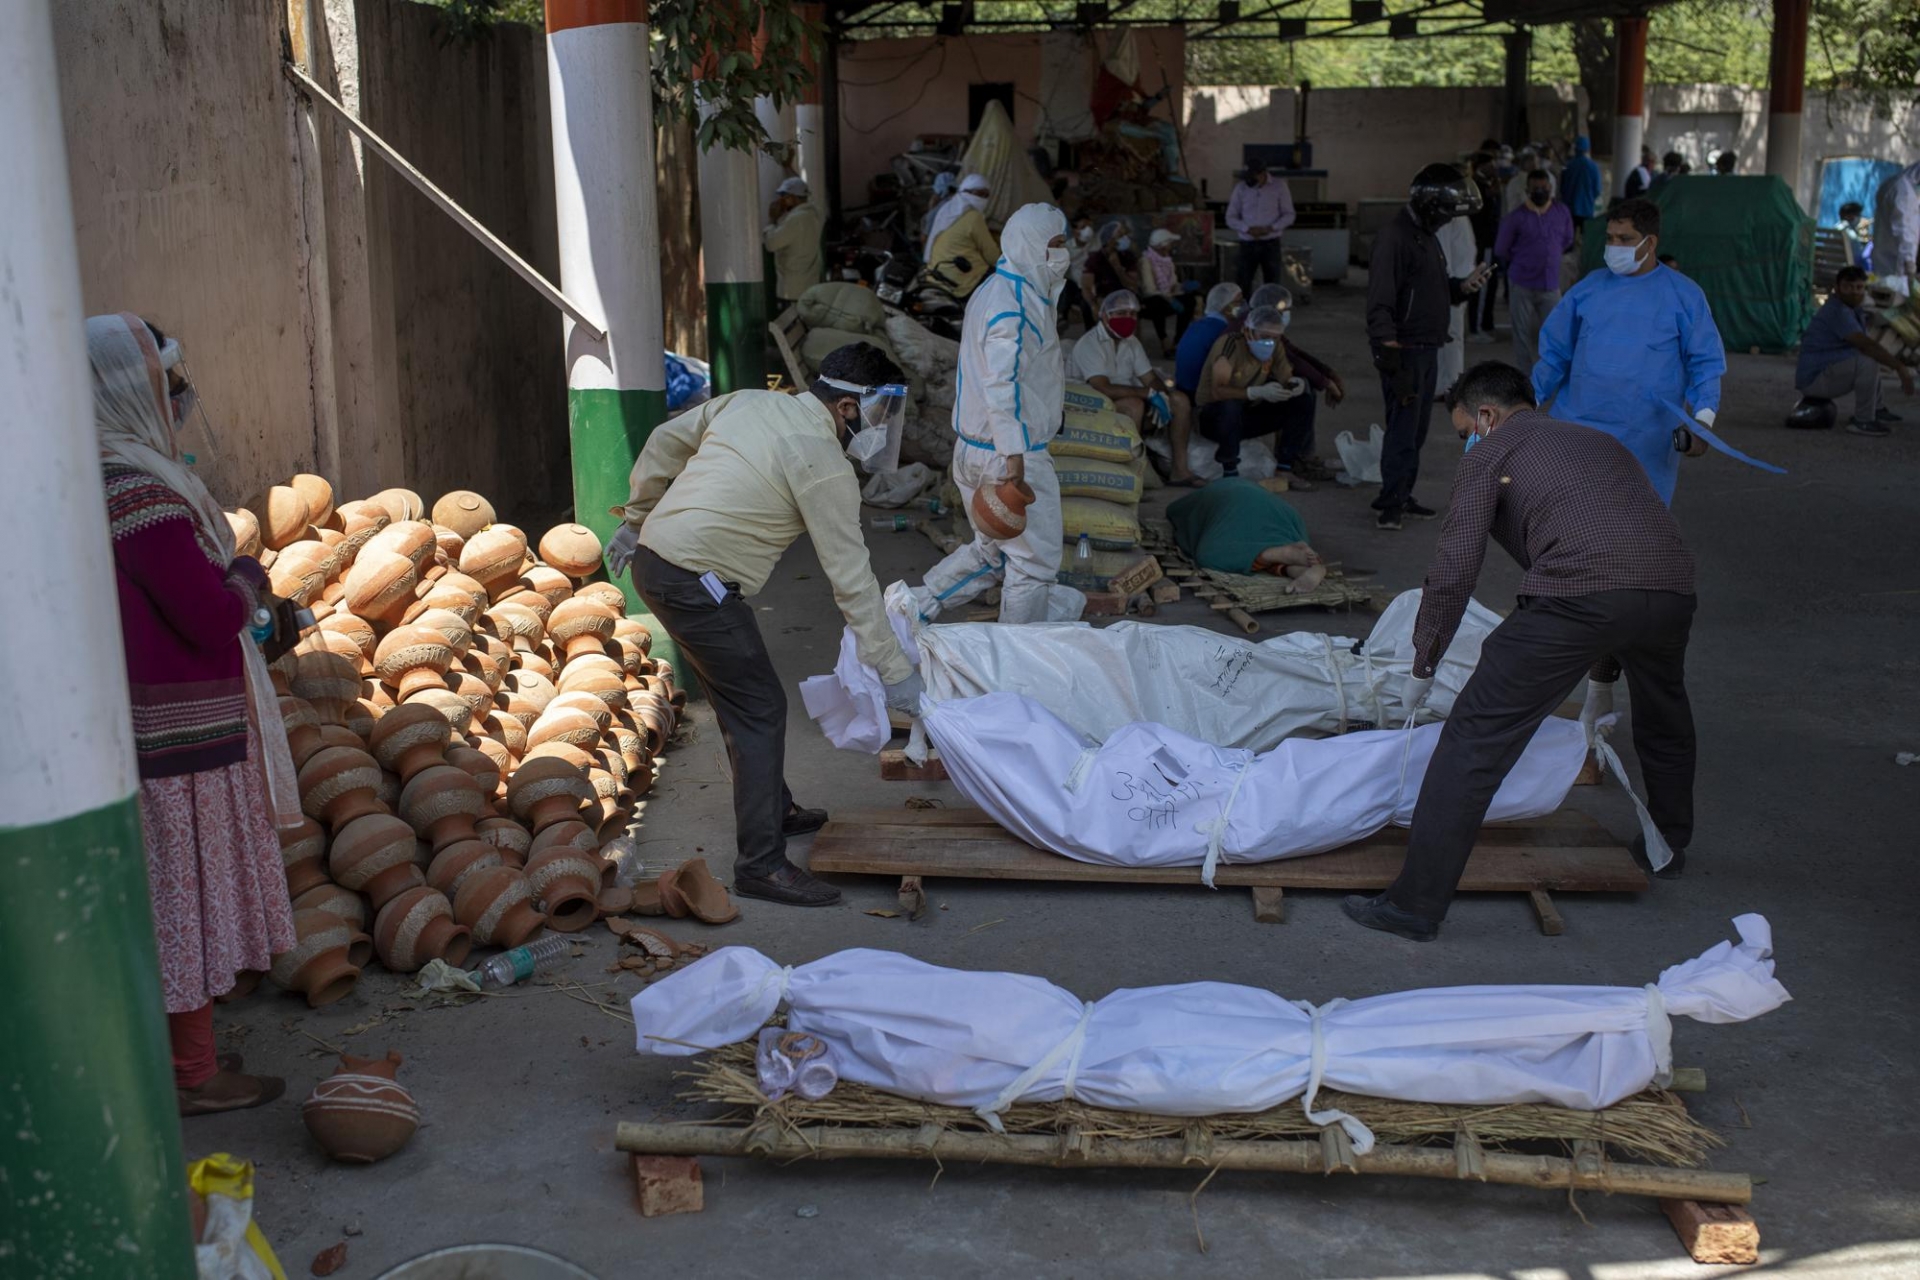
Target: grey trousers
x=1857, y=375
x=1528, y=310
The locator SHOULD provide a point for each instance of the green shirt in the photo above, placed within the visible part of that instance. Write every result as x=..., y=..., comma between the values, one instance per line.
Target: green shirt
x=1226, y=525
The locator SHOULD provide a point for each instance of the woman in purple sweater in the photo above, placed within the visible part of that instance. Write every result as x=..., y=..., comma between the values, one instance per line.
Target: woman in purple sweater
x=201, y=700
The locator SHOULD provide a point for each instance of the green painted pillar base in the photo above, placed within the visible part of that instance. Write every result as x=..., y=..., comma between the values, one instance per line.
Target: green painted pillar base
x=92, y=1179
x=737, y=336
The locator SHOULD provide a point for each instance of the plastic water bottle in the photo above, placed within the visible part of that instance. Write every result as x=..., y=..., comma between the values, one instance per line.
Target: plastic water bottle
x=1083, y=550
x=260, y=625
x=522, y=963
x=898, y=524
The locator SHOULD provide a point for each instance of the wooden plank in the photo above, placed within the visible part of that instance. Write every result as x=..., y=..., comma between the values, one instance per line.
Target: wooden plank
x=1564, y=827
x=895, y=767
x=1715, y=1233
x=1269, y=907
x=1550, y=922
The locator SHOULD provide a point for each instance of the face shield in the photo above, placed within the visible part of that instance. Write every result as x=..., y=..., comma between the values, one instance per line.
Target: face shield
x=875, y=443
x=192, y=431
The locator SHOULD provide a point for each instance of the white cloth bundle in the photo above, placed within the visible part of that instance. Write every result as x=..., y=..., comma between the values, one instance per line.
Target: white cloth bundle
x=988, y=1040
x=1151, y=797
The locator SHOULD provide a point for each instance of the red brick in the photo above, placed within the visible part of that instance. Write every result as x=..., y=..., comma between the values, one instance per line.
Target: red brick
x=667, y=1184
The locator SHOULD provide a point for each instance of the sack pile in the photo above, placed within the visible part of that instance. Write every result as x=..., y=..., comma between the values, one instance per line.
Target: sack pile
x=1102, y=472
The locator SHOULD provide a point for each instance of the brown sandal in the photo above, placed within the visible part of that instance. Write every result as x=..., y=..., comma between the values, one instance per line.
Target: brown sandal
x=229, y=1091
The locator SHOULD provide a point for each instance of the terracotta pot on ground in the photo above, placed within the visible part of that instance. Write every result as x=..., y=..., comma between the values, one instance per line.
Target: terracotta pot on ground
x=451, y=626
x=573, y=549
x=545, y=790
x=582, y=626
x=606, y=683
x=380, y=584
x=442, y=803
x=519, y=626
x=633, y=632
x=246, y=532
x=478, y=765
x=317, y=966
x=550, y=584
x=412, y=659
x=563, y=724
x=497, y=905
x=527, y=695
x=454, y=709
x=282, y=516
x=359, y=521
x=327, y=681
x=453, y=864
x=374, y=855
x=512, y=839
x=463, y=511
x=337, y=900
x=691, y=890
x=416, y=927
x=604, y=593
x=566, y=885
x=337, y=785
x=356, y=631
x=303, y=851
x=409, y=739
x=493, y=556
x=303, y=728
x=360, y=1114
x=413, y=539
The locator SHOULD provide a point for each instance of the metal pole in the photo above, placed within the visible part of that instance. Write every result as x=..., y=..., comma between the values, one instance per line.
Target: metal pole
x=1786, y=91
x=1630, y=97
x=91, y=1177
x=1519, y=68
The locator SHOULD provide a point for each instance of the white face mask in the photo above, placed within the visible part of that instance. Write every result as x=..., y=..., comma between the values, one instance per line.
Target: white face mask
x=1057, y=262
x=974, y=200
x=1084, y=235
x=867, y=444
x=1624, y=259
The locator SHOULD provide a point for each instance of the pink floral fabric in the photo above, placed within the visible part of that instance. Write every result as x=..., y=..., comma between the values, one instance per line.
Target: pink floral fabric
x=219, y=888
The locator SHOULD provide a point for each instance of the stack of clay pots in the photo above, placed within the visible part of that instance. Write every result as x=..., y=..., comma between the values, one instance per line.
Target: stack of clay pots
x=471, y=720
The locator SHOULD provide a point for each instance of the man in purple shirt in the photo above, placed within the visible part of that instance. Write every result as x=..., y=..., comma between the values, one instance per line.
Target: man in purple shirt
x=1532, y=240
x=1260, y=208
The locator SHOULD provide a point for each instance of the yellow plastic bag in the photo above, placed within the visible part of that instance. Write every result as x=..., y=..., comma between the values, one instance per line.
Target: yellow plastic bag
x=1109, y=526
x=231, y=1246
x=1092, y=478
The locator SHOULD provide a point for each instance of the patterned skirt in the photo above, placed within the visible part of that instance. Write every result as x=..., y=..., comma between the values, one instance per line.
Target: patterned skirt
x=219, y=887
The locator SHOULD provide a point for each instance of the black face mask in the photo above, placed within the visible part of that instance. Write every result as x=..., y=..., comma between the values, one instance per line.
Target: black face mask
x=1540, y=196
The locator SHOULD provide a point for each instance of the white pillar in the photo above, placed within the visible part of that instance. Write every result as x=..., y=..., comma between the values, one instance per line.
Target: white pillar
x=813, y=147
x=731, y=216
x=778, y=122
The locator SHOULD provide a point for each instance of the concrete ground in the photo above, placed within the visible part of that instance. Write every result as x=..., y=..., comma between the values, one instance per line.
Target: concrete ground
x=1804, y=682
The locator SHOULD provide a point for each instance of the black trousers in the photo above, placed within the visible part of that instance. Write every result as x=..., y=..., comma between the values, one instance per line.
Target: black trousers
x=1480, y=305
x=1407, y=376
x=1528, y=666
x=1228, y=422
x=722, y=643
x=1158, y=308
x=1257, y=255
x=1071, y=297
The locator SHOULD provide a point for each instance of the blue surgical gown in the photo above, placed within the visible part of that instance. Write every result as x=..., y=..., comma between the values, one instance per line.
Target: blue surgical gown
x=1624, y=353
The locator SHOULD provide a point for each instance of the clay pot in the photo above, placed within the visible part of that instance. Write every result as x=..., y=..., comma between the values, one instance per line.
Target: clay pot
x=300, y=572
x=582, y=626
x=516, y=624
x=544, y=791
x=337, y=786
x=500, y=763
x=282, y=516
x=609, y=687
x=564, y=751
x=483, y=668
x=497, y=905
x=493, y=557
x=527, y=695
x=412, y=539
x=303, y=851
x=359, y=1114
x=550, y=584
x=326, y=681
x=569, y=834
x=508, y=836
x=573, y=549
x=246, y=532
x=566, y=884
x=604, y=593
x=656, y=716
x=479, y=765
x=317, y=495
x=410, y=738
x=630, y=740
x=539, y=662
x=630, y=631
x=451, y=626
x=453, y=864
x=389, y=792
x=507, y=730
x=472, y=691
x=316, y=966
x=374, y=855
x=1000, y=510
x=583, y=702
x=447, y=546
x=416, y=927
x=380, y=584
x=336, y=900
x=608, y=788
x=358, y=522
x=463, y=511
x=356, y=631
x=411, y=659
x=302, y=724
x=442, y=803
x=563, y=724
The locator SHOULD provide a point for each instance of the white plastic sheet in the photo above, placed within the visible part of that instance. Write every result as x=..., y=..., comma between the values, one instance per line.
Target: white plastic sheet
x=988, y=1040
x=1151, y=797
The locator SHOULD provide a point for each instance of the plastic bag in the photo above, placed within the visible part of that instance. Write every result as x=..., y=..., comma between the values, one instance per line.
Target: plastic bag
x=896, y=488
x=1362, y=461
x=1256, y=457
x=793, y=1062
x=231, y=1246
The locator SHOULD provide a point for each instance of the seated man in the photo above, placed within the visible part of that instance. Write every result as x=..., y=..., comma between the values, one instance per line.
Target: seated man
x=1251, y=388
x=963, y=248
x=1837, y=357
x=1225, y=304
x=1110, y=359
x=1235, y=526
x=1856, y=233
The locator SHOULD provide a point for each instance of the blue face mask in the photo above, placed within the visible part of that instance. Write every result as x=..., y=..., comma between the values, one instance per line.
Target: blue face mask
x=1472, y=440
x=1262, y=348
x=1124, y=243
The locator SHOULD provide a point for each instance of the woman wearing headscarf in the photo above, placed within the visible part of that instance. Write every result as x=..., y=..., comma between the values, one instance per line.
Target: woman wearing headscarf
x=962, y=249
x=1161, y=296
x=215, y=774
x=1113, y=265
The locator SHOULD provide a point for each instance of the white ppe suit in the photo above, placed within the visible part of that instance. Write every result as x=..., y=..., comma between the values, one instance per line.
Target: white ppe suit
x=1896, y=229
x=1009, y=395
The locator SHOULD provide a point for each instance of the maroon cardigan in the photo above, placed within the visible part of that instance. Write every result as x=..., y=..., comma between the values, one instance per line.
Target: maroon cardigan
x=181, y=615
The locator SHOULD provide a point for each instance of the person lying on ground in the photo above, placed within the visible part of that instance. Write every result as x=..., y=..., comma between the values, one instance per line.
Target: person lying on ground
x=1110, y=359
x=1236, y=526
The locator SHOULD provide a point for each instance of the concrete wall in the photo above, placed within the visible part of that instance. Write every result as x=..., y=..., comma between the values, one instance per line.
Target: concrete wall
x=179, y=129
x=894, y=90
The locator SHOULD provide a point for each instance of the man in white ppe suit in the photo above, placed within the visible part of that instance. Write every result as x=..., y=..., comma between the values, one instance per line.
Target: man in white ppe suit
x=1896, y=229
x=1009, y=395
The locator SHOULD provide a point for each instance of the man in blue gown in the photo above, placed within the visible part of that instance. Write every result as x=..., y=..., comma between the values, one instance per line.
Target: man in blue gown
x=1633, y=350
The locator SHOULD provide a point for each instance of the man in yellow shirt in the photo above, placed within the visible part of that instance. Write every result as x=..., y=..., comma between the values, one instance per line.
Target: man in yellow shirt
x=793, y=238
x=963, y=250
x=717, y=496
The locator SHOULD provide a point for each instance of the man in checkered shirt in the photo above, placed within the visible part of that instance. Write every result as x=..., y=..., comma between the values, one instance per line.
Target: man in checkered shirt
x=1607, y=574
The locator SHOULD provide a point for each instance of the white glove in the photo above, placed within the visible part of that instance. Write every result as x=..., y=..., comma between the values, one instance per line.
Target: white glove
x=620, y=548
x=1598, y=706
x=1414, y=694
x=1705, y=417
x=1266, y=391
x=905, y=696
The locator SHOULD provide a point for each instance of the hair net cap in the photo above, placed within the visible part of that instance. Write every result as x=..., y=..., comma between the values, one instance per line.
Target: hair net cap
x=1265, y=320
x=1270, y=295
x=1108, y=230
x=1119, y=300
x=794, y=187
x=1222, y=296
x=975, y=182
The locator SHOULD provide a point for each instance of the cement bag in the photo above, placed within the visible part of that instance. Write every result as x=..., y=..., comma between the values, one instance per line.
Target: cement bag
x=896, y=488
x=1084, y=403
x=1096, y=572
x=989, y=1040
x=841, y=304
x=1362, y=461
x=1106, y=437
x=1109, y=526
x=1091, y=478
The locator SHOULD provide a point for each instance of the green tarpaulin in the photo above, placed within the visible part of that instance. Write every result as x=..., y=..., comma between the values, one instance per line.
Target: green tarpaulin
x=1748, y=245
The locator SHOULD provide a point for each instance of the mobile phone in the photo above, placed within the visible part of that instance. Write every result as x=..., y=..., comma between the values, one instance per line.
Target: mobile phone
x=715, y=588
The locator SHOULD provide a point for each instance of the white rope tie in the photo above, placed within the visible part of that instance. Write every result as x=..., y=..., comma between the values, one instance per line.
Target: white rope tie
x=1658, y=853
x=1660, y=1033
x=753, y=998
x=1068, y=1049
x=917, y=741
x=1338, y=682
x=1217, y=831
x=1357, y=1133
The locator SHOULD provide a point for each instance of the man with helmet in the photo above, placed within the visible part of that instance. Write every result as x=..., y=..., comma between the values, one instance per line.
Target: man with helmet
x=1009, y=397
x=1410, y=300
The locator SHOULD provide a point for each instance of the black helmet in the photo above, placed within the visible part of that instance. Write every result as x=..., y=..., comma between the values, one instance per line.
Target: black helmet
x=1440, y=193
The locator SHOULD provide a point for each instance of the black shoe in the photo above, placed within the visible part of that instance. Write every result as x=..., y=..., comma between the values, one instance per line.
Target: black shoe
x=802, y=822
x=1389, y=519
x=1378, y=913
x=1875, y=429
x=1887, y=415
x=788, y=884
x=1419, y=512
x=1673, y=869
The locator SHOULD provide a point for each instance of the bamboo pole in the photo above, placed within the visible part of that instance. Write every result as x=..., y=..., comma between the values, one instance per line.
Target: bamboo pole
x=1266, y=1156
